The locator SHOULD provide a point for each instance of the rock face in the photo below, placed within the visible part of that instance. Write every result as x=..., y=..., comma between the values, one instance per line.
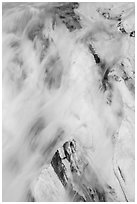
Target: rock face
x=68, y=102
x=66, y=13
x=71, y=170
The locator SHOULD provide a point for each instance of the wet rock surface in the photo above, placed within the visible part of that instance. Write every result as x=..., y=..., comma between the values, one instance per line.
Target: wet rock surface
x=68, y=16
x=71, y=165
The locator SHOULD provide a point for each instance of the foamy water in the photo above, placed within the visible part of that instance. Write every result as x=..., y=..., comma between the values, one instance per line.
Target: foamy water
x=52, y=93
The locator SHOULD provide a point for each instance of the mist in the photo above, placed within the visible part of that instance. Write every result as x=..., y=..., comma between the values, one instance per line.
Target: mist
x=67, y=82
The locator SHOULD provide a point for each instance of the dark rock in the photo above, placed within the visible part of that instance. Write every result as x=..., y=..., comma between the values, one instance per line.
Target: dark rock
x=132, y=34
x=59, y=168
x=96, y=57
x=87, y=193
x=121, y=28
x=68, y=16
